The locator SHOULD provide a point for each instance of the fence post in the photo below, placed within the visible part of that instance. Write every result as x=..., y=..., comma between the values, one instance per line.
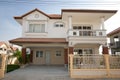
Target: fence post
x=71, y=64
x=107, y=64
x=3, y=66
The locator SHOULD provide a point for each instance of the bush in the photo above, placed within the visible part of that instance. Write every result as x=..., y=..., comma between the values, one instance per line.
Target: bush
x=12, y=67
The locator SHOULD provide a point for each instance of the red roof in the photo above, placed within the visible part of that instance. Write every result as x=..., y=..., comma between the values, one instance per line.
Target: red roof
x=89, y=11
x=1, y=43
x=114, y=32
x=38, y=40
x=51, y=16
x=58, y=16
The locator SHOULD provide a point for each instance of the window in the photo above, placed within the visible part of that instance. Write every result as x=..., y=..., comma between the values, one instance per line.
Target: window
x=116, y=39
x=1, y=49
x=39, y=54
x=74, y=33
x=83, y=51
x=37, y=28
x=83, y=27
x=59, y=24
x=58, y=53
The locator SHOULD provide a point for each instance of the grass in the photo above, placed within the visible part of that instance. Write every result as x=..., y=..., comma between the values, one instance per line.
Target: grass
x=12, y=67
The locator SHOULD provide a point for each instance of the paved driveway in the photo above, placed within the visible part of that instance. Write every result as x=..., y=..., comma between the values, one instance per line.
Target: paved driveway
x=42, y=73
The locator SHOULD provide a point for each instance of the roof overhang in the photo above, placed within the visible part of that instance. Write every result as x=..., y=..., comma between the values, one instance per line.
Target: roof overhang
x=21, y=41
x=114, y=32
x=87, y=15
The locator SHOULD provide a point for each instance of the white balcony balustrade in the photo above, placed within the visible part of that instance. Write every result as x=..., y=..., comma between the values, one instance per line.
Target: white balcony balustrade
x=87, y=32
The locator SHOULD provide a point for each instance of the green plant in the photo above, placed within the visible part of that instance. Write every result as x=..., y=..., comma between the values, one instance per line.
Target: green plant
x=18, y=54
x=12, y=67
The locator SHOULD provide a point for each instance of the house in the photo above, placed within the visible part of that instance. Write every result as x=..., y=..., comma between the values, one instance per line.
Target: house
x=114, y=41
x=51, y=37
x=5, y=48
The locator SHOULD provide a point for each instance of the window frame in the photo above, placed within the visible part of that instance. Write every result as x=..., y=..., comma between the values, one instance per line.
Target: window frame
x=39, y=54
x=33, y=28
x=59, y=24
x=58, y=53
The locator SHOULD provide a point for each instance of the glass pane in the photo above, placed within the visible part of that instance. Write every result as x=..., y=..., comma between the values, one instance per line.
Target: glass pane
x=37, y=53
x=31, y=28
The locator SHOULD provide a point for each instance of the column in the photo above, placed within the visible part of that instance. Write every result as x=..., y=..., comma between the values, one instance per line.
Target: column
x=102, y=22
x=31, y=56
x=65, y=56
x=24, y=55
x=105, y=50
x=70, y=22
x=70, y=50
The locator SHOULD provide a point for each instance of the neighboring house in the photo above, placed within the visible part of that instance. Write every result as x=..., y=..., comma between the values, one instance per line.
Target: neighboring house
x=114, y=41
x=5, y=48
x=51, y=37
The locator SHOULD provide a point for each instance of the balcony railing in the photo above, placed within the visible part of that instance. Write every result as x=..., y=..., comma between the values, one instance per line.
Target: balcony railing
x=115, y=44
x=87, y=32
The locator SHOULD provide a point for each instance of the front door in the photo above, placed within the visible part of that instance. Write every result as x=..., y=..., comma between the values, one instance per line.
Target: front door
x=47, y=57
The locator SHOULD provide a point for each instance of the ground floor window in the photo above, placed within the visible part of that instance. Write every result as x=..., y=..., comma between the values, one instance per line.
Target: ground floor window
x=58, y=53
x=81, y=51
x=39, y=54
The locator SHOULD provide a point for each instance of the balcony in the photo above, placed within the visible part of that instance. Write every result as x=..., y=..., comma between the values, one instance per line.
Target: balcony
x=87, y=36
x=115, y=44
x=87, y=33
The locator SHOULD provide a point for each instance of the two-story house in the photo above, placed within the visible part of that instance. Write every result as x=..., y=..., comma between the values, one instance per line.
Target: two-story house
x=51, y=37
x=114, y=41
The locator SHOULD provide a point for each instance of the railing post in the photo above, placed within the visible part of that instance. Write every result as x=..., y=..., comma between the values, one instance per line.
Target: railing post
x=71, y=64
x=107, y=64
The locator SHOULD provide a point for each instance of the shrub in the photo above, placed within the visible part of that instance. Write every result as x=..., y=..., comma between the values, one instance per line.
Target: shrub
x=12, y=67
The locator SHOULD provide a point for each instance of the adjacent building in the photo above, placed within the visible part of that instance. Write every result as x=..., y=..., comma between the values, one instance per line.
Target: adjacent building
x=114, y=41
x=51, y=37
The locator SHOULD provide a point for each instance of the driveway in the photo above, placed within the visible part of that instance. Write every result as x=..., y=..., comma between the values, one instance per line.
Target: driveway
x=42, y=73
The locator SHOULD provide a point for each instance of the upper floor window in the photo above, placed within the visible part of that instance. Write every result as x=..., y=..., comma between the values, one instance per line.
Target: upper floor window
x=37, y=28
x=116, y=39
x=83, y=27
x=59, y=24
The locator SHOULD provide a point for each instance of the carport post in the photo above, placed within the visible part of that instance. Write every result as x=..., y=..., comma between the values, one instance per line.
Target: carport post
x=24, y=55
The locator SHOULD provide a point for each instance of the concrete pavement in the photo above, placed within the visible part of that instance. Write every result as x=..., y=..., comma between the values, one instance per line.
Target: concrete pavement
x=42, y=73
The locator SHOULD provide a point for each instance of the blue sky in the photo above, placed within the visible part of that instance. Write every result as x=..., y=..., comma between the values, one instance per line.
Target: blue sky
x=10, y=29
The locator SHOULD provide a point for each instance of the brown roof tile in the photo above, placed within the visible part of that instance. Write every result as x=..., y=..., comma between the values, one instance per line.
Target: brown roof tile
x=38, y=40
x=57, y=16
x=89, y=11
x=114, y=32
x=1, y=43
x=51, y=16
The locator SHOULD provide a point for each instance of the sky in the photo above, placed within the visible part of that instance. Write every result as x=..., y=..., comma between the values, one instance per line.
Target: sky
x=10, y=29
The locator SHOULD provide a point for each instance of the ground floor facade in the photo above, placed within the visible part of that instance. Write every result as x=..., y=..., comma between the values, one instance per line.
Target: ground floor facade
x=54, y=51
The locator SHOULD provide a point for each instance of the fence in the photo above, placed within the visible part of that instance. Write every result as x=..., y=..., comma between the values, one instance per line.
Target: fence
x=2, y=65
x=94, y=66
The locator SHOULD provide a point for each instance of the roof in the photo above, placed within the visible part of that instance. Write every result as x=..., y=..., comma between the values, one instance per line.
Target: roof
x=89, y=11
x=51, y=16
x=58, y=16
x=1, y=43
x=114, y=32
x=38, y=40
